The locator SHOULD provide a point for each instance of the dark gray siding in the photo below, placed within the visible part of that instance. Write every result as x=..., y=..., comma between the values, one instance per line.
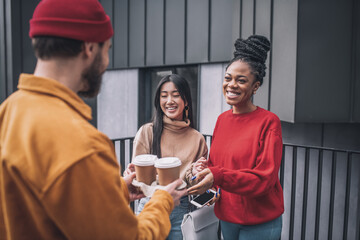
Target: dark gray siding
x=27, y=55
x=263, y=20
x=13, y=43
x=136, y=33
x=221, y=41
x=155, y=33
x=324, y=61
x=168, y=32
x=2, y=53
x=247, y=18
x=16, y=54
x=197, y=26
x=108, y=7
x=356, y=64
x=174, y=32
x=121, y=33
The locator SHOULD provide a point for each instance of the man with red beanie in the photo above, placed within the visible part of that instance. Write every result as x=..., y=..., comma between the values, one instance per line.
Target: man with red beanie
x=59, y=175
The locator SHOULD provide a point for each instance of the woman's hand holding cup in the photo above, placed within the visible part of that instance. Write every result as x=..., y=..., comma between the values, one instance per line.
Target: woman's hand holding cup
x=130, y=169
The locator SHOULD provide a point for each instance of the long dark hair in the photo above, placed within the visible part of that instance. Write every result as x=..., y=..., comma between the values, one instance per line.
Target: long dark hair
x=184, y=90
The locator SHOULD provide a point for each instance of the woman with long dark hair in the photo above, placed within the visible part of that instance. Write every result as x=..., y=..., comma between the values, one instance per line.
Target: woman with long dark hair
x=171, y=134
x=246, y=152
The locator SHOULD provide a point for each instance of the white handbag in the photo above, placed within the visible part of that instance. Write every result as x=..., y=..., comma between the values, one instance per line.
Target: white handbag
x=201, y=224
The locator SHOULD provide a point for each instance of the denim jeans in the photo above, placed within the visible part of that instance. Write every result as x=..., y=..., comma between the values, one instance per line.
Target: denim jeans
x=176, y=216
x=266, y=231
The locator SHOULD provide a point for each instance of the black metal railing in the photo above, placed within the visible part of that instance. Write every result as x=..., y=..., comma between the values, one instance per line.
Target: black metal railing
x=321, y=190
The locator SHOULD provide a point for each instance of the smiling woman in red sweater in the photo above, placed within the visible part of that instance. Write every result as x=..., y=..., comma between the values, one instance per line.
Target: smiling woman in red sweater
x=246, y=152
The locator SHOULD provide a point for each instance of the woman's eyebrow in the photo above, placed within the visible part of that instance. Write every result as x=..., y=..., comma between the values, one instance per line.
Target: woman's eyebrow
x=236, y=75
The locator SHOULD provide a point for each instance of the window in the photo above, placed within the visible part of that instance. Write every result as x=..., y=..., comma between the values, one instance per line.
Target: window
x=149, y=80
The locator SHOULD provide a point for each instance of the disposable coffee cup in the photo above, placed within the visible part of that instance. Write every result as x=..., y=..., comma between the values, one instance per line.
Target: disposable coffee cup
x=144, y=168
x=168, y=169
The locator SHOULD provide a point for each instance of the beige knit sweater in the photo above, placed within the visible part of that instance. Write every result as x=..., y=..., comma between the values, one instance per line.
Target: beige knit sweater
x=177, y=140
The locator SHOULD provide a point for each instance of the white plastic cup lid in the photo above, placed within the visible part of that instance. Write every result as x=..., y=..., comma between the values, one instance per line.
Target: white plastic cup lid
x=144, y=160
x=167, y=162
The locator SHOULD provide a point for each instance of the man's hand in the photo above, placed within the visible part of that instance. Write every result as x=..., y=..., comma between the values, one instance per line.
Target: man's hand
x=134, y=192
x=199, y=165
x=176, y=194
x=205, y=180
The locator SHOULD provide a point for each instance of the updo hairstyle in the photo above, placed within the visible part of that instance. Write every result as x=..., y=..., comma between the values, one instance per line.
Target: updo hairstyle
x=253, y=51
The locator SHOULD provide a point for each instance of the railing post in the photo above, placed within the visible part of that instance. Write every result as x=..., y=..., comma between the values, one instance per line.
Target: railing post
x=318, y=195
x=282, y=167
x=305, y=193
x=332, y=194
x=122, y=155
x=347, y=195
x=293, y=193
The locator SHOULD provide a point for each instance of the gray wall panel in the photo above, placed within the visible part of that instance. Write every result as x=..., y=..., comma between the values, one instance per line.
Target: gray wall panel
x=117, y=103
x=236, y=26
x=137, y=33
x=28, y=56
x=309, y=134
x=284, y=50
x=155, y=32
x=210, y=96
x=356, y=108
x=2, y=53
x=108, y=6
x=225, y=106
x=13, y=43
x=247, y=18
x=197, y=35
x=174, y=32
x=342, y=135
x=324, y=61
x=356, y=65
x=263, y=27
x=221, y=45
x=121, y=33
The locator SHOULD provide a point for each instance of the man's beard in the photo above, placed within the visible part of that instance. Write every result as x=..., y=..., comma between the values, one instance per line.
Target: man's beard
x=92, y=76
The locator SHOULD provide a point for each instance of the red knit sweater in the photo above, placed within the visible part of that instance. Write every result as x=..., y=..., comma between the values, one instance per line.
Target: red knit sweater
x=245, y=158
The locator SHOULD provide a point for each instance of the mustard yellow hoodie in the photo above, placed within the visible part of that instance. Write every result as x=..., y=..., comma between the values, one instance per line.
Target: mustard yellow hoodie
x=59, y=176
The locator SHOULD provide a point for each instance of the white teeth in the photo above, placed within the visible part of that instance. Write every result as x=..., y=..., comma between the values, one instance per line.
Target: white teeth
x=232, y=94
x=172, y=108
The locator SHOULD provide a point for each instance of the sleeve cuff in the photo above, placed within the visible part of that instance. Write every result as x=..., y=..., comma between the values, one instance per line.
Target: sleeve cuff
x=218, y=175
x=165, y=198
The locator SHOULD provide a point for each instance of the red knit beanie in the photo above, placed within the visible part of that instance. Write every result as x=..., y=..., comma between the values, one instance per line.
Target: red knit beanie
x=83, y=20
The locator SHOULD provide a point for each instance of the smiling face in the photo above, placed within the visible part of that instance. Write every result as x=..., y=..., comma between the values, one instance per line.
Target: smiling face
x=171, y=102
x=238, y=87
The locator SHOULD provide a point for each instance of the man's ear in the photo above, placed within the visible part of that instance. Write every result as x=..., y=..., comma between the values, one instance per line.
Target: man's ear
x=89, y=49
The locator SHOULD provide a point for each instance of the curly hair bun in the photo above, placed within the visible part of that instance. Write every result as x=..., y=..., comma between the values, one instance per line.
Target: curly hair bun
x=254, y=48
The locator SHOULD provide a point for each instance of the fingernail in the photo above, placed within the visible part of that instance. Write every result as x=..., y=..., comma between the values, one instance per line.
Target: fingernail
x=193, y=178
x=216, y=195
x=219, y=190
x=207, y=191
